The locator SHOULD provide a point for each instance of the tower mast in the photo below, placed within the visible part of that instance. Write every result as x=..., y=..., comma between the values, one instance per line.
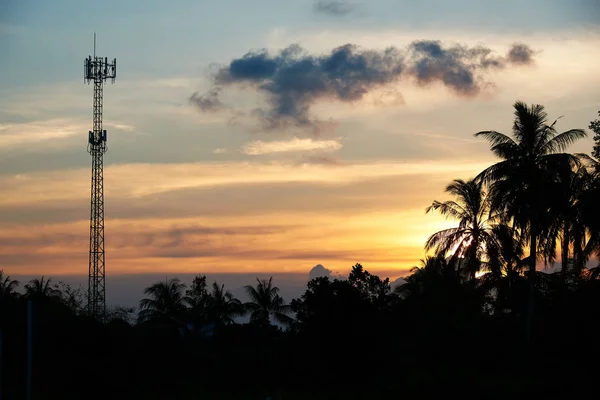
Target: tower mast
x=97, y=70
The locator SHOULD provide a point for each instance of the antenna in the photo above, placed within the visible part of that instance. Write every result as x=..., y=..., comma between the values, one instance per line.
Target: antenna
x=97, y=70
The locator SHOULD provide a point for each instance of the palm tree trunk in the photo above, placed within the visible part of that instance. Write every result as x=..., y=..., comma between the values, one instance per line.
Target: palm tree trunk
x=565, y=249
x=531, y=279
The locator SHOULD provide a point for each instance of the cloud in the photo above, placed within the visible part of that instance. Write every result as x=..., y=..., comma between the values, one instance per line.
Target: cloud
x=397, y=283
x=209, y=101
x=520, y=54
x=333, y=7
x=220, y=151
x=457, y=67
x=259, y=147
x=319, y=160
x=293, y=80
x=131, y=181
x=152, y=241
x=28, y=133
x=318, y=271
x=119, y=126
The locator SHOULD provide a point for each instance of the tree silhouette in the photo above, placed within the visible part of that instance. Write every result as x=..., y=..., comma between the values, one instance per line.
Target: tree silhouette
x=196, y=294
x=7, y=285
x=595, y=127
x=473, y=234
x=196, y=297
x=222, y=307
x=504, y=267
x=265, y=303
x=165, y=302
x=437, y=297
x=433, y=272
x=72, y=298
x=373, y=288
x=40, y=289
x=567, y=218
x=589, y=211
x=520, y=185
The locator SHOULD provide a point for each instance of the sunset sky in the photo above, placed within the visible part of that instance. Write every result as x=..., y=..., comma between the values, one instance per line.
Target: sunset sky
x=232, y=152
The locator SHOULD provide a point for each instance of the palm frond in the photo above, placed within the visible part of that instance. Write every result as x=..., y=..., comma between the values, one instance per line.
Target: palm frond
x=449, y=209
x=563, y=140
x=283, y=318
x=444, y=235
x=496, y=138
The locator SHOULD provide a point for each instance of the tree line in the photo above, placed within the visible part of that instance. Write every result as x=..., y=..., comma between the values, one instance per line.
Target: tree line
x=477, y=317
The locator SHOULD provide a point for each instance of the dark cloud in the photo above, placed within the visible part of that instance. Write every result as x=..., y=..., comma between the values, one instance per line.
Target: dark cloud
x=333, y=7
x=209, y=101
x=459, y=67
x=294, y=80
x=520, y=54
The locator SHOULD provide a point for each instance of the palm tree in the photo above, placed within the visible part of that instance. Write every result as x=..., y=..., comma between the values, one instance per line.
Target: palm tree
x=7, y=285
x=595, y=127
x=434, y=272
x=521, y=183
x=568, y=222
x=265, y=303
x=165, y=302
x=503, y=279
x=40, y=289
x=590, y=211
x=221, y=306
x=437, y=288
x=470, y=239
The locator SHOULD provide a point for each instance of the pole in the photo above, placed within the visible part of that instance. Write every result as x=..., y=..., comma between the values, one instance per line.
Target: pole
x=29, y=345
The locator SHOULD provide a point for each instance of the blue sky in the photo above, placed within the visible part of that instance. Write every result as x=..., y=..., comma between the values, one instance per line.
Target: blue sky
x=162, y=38
x=191, y=191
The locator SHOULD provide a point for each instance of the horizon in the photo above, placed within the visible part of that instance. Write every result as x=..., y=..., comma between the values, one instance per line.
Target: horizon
x=206, y=171
x=126, y=290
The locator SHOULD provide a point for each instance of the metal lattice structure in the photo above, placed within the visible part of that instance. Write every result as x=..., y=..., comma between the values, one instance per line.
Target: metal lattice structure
x=97, y=70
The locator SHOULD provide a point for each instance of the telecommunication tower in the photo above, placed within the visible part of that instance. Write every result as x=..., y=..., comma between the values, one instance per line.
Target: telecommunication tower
x=97, y=70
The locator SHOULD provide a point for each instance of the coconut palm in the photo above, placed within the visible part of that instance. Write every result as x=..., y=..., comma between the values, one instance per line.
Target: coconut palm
x=568, y=222
x=437, y=288
x=265, y=303
x=576, y=218
x=221, y=306
x=503, y=280
x=40, y=289
x=435, y=271
x=165, y=302
x=595, y=127
x=521, y=183
x=590, y=211
x=469, y=240
x=7, y=285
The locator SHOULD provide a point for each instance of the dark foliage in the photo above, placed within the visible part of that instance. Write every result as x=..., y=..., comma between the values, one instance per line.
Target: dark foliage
x=595, y=127
x=351, y=338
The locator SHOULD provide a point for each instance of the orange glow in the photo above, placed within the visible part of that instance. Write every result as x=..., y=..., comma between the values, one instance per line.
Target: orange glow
x=289, y=237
